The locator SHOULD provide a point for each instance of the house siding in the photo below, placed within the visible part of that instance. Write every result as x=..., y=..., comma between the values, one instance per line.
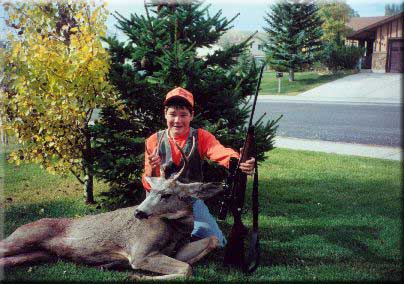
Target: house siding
x=400, y=28
x=393, y=29
x=390, y=30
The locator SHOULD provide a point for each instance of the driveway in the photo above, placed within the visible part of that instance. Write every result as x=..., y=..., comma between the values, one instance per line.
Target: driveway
x=358, y=88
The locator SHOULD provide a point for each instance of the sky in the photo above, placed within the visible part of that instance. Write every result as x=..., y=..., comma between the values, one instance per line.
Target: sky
x=252, y=12
x=251, y=16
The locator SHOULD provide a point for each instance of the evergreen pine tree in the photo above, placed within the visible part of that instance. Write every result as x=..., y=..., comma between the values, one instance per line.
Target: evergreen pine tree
x=393, y=9
x=294, y=32
x=160, y=54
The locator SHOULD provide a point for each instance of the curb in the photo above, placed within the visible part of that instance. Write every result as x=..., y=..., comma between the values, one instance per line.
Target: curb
x=323, y=100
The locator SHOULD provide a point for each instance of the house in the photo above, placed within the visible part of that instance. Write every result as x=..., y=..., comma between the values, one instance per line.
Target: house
x=235, y=37
x=256, y=48
x=383, y=40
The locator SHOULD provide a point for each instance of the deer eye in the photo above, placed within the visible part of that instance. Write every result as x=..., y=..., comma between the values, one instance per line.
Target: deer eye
x=165, y=196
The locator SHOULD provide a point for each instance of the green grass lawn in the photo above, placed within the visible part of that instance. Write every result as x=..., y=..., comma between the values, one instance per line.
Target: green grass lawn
x=323, y=217
x=304, y=81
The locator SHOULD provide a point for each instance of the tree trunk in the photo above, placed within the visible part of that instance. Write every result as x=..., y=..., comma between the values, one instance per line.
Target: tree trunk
x=88, y=171
x=4, y=136
x=291, y=75
x=89, y=186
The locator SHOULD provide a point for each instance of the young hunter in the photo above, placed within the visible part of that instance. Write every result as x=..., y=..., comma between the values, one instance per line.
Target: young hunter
x=178, y=112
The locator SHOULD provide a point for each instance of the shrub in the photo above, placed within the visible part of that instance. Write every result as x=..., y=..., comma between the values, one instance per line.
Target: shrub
x=337, y=57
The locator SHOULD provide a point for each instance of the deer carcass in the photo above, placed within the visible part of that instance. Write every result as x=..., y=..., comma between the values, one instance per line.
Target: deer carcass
x=157, y=240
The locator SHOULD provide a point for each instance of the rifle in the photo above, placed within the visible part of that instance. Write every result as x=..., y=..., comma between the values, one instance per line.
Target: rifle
x=228, y=185
x=234, y=252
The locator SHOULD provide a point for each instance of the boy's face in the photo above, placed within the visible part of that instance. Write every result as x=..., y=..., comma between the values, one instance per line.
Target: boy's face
x=178, y=120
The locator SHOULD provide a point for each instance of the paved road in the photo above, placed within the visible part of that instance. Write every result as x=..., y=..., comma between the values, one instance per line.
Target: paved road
x=361, y=123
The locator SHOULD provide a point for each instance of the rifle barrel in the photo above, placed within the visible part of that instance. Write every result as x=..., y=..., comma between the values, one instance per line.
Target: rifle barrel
x=256, y=94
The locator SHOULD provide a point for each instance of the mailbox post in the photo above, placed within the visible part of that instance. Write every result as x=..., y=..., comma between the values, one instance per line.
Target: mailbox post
x=279, y=75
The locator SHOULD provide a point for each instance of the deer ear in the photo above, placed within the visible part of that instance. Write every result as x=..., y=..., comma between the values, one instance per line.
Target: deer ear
x=203, y=190
x=153, y=181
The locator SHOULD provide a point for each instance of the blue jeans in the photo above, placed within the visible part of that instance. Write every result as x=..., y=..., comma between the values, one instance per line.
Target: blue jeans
x=204, y=223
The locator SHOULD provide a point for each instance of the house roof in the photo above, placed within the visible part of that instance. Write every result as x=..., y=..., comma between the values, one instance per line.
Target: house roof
x=363, y=27
x=358, y=23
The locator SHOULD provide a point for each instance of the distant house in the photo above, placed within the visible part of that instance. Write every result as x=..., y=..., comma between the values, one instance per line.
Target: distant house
x=383, y=39
x=256, y=47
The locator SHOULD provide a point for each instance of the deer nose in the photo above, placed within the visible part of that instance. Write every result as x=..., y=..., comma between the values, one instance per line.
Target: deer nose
x=140, y=214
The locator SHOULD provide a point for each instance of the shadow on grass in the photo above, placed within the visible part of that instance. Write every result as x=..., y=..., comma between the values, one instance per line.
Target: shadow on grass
x=327, y=196
x=305, y=245
x=328, y=220
x=300, y=247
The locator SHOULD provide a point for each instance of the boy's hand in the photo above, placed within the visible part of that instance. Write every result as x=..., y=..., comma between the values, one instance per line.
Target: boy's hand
x=248, y=166
x=154, y=159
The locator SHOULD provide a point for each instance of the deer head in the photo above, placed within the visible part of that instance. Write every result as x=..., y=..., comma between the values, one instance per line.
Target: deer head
x=171, y=198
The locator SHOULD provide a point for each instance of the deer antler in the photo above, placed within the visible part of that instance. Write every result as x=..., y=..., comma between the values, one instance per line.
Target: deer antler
x=186, y=158
x=162, y=170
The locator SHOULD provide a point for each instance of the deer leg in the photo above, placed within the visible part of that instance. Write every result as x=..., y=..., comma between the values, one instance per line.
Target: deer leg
x=13, y=246
x=192, y=252
x=25, y=258
x=117, y=264
x=27, y=237
x=160, y=263
x=16, y=244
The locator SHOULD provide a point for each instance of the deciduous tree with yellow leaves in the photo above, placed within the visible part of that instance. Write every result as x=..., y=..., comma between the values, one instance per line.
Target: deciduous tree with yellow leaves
x=335, y=15
x=55, y=75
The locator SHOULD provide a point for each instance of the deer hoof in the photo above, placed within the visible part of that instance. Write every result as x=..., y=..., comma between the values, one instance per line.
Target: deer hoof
x=188, y=273
x=135, y=277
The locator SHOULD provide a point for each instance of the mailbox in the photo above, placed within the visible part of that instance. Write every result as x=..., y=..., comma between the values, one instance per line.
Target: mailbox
x=279, y=74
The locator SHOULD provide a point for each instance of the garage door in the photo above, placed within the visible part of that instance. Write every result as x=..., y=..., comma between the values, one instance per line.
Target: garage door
x=396, y=56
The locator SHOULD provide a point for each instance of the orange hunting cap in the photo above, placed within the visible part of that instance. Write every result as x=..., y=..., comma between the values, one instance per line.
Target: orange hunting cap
x=180, y=93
